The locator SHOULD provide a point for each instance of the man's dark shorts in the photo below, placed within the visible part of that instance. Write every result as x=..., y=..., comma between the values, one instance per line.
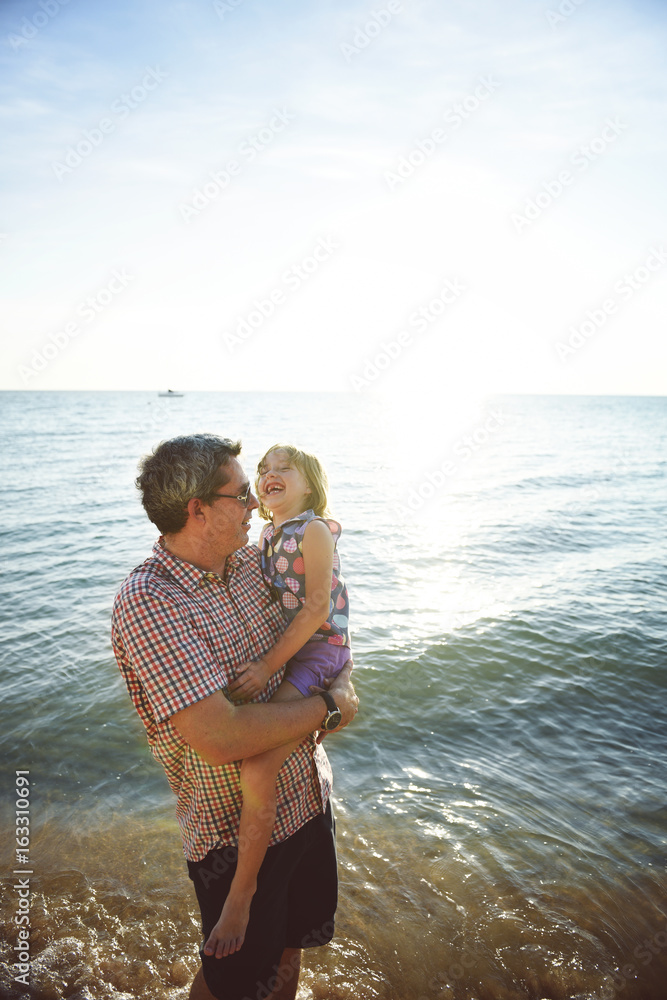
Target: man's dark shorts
x=294, y=907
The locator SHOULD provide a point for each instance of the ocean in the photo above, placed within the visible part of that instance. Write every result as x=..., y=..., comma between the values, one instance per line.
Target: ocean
x=500, y=798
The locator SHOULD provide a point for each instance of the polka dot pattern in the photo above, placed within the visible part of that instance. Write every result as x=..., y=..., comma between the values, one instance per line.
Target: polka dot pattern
x=283, y=567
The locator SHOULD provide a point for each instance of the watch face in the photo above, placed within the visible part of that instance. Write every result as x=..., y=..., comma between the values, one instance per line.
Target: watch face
x=333, y=720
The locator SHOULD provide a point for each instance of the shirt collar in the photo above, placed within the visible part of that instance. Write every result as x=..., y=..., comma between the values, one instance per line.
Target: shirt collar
x=305, y=515
x=186, y=575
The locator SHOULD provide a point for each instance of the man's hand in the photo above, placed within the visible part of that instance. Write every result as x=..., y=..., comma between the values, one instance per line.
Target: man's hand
x=343, y=691
x=252, y=678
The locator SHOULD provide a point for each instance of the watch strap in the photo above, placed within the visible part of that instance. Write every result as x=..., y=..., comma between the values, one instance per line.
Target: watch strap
x=329, y=700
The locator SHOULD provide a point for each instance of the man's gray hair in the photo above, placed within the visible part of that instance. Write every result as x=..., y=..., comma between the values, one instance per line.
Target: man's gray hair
x=179, y=470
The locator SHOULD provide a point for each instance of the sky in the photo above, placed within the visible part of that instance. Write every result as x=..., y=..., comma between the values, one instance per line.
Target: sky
x=410, y=197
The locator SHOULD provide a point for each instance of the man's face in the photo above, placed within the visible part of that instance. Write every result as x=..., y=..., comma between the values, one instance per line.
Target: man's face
x=228, y=520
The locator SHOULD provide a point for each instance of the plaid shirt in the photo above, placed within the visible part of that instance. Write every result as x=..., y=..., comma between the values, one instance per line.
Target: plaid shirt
x=178, y=635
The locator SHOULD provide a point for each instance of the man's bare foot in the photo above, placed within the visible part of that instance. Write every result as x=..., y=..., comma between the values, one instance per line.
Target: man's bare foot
x=229, y=933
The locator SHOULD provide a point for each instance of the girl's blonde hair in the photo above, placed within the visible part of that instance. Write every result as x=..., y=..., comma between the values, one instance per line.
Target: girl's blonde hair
x=310, y=468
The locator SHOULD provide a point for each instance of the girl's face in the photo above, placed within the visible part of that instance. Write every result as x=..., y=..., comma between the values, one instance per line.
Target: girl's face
x=282, y=487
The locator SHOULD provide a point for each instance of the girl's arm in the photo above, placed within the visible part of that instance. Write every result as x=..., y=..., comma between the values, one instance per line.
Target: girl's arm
x=318, y=550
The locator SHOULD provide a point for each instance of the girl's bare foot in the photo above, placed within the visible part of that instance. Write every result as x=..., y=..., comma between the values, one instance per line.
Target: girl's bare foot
x=229, y=933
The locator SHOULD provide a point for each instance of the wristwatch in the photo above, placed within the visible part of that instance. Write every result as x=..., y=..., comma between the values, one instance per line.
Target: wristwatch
x=333, y=718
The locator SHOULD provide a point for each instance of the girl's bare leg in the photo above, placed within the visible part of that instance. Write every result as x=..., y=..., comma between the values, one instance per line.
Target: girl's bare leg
x=258, y=816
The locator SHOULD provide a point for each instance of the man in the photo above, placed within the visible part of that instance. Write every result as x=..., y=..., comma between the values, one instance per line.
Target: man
x=182, y=622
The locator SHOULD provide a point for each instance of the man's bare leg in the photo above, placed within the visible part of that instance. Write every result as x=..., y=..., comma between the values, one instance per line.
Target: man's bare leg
x=199, y=990
x=291, y=959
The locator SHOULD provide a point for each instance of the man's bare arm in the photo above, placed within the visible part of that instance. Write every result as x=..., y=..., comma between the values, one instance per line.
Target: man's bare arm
x=221, y=732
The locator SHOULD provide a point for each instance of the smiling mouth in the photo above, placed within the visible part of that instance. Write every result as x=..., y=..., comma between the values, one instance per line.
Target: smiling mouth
x=272, y=488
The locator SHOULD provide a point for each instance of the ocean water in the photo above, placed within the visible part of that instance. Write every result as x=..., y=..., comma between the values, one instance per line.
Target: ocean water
x=500, y=797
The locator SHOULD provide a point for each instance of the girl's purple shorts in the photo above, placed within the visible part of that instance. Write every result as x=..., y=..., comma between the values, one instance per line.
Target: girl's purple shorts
x=314, y=662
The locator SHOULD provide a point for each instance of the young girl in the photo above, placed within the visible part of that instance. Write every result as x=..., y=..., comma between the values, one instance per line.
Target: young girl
x=301, y=565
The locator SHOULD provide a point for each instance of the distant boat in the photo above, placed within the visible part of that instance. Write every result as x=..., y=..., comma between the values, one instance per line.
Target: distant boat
x=170, y=392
